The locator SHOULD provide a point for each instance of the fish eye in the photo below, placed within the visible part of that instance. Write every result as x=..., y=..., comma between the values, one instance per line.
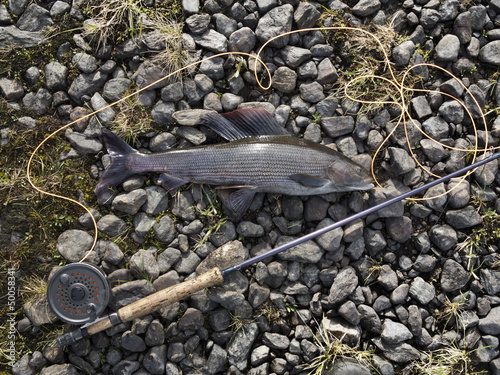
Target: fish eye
x=359, y=170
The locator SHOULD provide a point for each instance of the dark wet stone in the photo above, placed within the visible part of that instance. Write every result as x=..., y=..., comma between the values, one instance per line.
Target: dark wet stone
x=132, y=342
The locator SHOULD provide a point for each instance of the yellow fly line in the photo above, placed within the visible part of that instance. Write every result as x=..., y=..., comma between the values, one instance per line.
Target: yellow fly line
x=399, y=86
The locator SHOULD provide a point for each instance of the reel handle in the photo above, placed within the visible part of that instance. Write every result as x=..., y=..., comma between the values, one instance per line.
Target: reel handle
x=147, y=305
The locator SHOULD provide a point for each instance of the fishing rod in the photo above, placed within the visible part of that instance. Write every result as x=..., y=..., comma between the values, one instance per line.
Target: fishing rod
x=72, y=288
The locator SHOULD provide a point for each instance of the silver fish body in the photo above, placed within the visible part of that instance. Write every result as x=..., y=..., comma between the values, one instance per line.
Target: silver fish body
x=260, y=157
x=271, y=164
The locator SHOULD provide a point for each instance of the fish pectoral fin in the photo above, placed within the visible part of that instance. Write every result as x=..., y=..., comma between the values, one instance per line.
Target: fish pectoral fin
x=308, y=180
x=243, y=123
x=236, y=202
x=170, y=182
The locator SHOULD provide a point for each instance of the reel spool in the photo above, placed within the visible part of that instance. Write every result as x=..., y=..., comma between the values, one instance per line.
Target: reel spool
x=78, y=293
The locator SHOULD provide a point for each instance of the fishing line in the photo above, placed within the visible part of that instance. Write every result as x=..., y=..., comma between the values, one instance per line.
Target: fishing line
x=399, y=86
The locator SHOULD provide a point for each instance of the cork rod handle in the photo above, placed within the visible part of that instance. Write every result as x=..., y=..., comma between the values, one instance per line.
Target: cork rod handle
x=161, y=299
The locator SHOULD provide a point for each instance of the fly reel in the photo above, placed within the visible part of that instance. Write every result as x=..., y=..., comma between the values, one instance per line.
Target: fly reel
x=78, y=293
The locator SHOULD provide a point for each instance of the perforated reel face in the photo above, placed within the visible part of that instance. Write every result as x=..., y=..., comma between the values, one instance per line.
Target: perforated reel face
x=78, y=293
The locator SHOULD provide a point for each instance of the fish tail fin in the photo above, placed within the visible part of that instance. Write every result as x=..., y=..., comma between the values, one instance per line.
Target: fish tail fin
x=118, y=171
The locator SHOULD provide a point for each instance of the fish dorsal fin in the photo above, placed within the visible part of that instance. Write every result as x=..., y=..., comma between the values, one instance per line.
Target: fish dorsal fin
x=243, y=123
x=236, y=202
x=308, y=180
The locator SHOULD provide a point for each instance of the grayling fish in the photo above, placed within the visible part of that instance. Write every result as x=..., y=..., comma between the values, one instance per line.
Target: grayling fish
x=260, y=157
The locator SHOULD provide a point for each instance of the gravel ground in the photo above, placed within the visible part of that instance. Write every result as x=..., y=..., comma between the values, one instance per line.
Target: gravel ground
x=413, y=279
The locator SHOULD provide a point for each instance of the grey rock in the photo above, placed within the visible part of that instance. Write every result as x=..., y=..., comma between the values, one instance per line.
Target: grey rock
x=190, y=6
x=434, y=151
x=227, y=255
x=156, y=200
x=453, y=276
x=144, y=265
x=403, y=52
x=349, y=312
x=149, y=73
x=490, y=280
x=11, y=89
x=370, y=319
x=462, y=27
x=275, y=22
x=172, y=92
x=374, y=241
x=307, y=252
x=39, y=102
x=349, y=334
x=452, y=87
x=163, y=112
x=306, y=15
x=452, y=111
x=17, y=6
x=284, y=79
x=74, y=244
x=394, y=333
x=168, y=258
x=275, y=341
x=11, y=35
x=38, y=311
x=198, y=23
x=344, y=284
x=86, y=84
x=64, y=369
x=475, y=100
x=111, y=252
x=55, y=76
x=463, y=218
x=401, y=161
x=83, y=144
x=59, y=8
x=224, y=24
x=486, y=349
x=440, y=199
x=155, y=360
x=175, y=352
x=421, y=107
x=421, y=291
x=124, y=294
x=490, y=53
x=387, y=278
x=131, y=202
x=448, y=47
x=326, y=72
x=379, y=195
x=424, y=263
x=132, y=342
x=429, y=18
x=230, y=101
x=183, y=206
x=85, y=63
x=459, y=195
x=329, y=241
x=399, y=295
x=295, y=56
x=399, y=353
x=191, y=134
x=249, y=229
x=436, y=128
x=213, y=68
x=240, y=345
x=191, y=320
x=106, y=115
x=34, y=18
x=188, y=263
x=485, y=175
x=337, y=126
x=226, y=233
x=443, y=236
x=115, y=88
x=111, y=225
x=312, y=92
x=257, y=294
x=216, y=360
x=449, y=9
x=242, y=40
x=490, y=324
x=365, y=8
x=212, y=40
